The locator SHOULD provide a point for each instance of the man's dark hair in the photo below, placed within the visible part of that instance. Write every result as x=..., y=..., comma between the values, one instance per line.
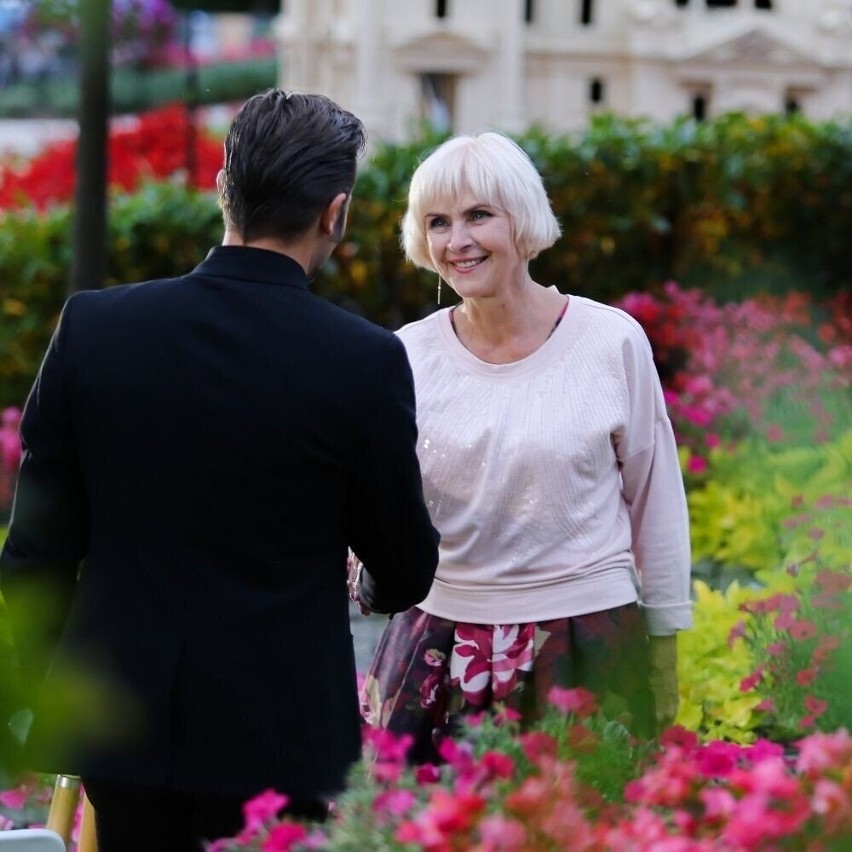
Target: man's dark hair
x=287, y=156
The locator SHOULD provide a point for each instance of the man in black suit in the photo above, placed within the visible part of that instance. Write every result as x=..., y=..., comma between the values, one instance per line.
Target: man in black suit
x=199, y=453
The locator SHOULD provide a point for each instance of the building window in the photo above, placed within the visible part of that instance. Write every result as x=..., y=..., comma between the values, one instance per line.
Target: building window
x=794, y=100
x=699, y=106
x=529, y=11
x=442, y=8
x=719, y=4
x=597, y=91
x=437, y=101
x=763, y=4
x=586, y=12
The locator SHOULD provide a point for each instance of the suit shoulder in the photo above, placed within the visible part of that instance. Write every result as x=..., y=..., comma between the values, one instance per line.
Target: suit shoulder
x=116, y=294
x=358, y=329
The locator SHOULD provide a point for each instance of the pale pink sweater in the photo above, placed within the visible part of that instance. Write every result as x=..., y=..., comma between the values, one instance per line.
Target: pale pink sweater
x=554, y=481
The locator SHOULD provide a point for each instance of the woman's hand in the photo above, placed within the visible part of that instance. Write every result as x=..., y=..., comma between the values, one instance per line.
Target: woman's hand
x=354, y=567
x=663, y=654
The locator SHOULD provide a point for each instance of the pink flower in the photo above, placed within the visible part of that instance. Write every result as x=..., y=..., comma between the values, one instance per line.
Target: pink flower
x=750, y=682
x=815, y=706
x=262, y=809
x=388, y=746
x=696, y=464
x=736, y=632
x=394, y=802
x=762, y=750
x=717, y=759
x=497, y=765
x=679, y=737
x=283, y=836
x=577, y=700
x=784, y=621
x=820, y=752
x=711, y=440
x=427, y=773
x=16, y=798
x=537, y=744
x=501, y=834
x=802, y=629
x=806, y=677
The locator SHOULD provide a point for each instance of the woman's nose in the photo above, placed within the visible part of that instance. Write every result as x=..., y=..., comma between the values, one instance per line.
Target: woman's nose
x=459, y=237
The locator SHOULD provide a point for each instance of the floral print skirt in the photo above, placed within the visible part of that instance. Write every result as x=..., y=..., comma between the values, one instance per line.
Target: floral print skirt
x=429, y=672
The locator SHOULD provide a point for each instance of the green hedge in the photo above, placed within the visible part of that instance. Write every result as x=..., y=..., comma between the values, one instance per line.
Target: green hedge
x=734, y=207
x=132, y=90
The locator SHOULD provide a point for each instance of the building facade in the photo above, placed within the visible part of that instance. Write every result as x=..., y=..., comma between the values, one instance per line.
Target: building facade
x=467, y=65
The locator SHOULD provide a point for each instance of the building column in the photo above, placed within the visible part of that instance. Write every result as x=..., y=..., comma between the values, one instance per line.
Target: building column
x=512, y=57
x=367, y=97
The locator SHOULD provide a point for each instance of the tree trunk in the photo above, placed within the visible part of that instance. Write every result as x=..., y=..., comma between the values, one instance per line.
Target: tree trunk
x=90, y=205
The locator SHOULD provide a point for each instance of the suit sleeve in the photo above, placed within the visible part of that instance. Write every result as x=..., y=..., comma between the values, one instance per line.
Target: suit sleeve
x=390, y=528
x=48, y=529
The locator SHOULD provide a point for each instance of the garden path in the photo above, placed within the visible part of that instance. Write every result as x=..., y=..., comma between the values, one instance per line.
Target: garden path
x=366, y=630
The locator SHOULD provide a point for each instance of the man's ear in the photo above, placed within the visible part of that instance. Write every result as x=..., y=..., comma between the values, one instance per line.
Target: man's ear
x=333, y=218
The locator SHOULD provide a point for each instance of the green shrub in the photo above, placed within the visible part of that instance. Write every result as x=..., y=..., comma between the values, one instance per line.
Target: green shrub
x=732, y=207
x=162, y=230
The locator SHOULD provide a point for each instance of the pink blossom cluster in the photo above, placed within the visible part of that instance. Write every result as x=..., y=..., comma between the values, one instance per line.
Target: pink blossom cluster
x=10, y=453
x=761, y=366
x=524, y=795
x=796, y=636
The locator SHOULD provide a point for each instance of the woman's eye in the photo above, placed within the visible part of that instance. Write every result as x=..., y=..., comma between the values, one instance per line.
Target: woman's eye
x=479, y=214
x=438, y=222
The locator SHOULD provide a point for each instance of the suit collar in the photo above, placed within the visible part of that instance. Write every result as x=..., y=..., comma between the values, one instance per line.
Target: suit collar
x=252, y=264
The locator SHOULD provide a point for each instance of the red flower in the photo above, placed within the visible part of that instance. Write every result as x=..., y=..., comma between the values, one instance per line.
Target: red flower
x=806, y=677
x=537, y=744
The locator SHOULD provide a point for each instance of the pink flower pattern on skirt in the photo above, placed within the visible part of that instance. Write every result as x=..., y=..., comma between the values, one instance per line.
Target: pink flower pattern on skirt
x=486, y=659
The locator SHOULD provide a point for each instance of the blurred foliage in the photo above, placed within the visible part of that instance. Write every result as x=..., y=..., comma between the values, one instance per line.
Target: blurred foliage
x=134, y=90
x=740, y=510
x=162, y=230
x=733, y=207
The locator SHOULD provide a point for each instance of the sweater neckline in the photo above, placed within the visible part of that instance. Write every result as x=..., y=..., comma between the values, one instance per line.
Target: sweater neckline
x=560, y=339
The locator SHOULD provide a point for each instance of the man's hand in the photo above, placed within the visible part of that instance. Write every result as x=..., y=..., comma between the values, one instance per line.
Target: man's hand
x=663, y=678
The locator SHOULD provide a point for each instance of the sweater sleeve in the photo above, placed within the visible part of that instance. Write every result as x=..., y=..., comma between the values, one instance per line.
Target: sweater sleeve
x=652, y=485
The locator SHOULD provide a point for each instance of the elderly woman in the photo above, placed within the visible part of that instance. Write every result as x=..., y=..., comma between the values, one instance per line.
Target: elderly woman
x=549, y=467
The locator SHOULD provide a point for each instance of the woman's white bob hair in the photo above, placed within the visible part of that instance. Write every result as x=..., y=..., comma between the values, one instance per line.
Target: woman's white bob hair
x=494, y=169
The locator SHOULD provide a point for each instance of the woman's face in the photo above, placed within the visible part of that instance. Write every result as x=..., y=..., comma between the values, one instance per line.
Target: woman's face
x=472, y=246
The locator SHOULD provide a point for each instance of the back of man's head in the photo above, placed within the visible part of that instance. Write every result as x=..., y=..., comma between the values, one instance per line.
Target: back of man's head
x=287, y=156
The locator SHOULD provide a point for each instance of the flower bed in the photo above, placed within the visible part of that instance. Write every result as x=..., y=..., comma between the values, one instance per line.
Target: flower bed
x=762, y=756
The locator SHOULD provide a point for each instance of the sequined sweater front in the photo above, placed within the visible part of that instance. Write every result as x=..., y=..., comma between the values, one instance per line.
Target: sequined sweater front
x=554, y=480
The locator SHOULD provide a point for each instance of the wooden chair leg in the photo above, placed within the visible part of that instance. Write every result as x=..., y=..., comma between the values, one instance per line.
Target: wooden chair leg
x=88, y=841
x=63, y=806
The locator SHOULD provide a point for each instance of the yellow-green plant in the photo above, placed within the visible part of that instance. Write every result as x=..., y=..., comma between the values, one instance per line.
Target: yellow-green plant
x=740, y=508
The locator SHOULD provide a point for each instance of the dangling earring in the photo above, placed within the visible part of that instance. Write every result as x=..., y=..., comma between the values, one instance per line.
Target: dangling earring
x=439, y=288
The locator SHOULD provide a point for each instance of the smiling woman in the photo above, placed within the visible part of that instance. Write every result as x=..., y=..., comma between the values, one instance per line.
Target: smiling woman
x=549, y=468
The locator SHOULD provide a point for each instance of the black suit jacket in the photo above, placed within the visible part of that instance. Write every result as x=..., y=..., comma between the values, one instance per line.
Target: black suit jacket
x=204, y=449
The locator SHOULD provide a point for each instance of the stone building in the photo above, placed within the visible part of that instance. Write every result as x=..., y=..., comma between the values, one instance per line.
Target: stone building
x=471, y=64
